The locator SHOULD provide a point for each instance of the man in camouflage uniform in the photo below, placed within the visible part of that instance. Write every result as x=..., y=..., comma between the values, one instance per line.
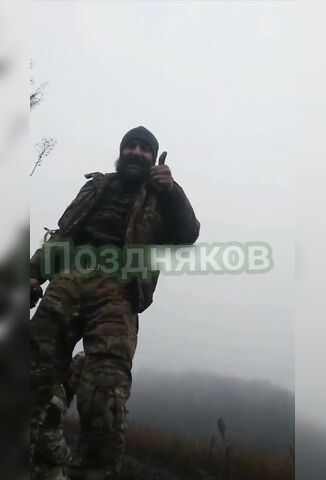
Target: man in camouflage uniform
x=139, y=204
x=52, y=454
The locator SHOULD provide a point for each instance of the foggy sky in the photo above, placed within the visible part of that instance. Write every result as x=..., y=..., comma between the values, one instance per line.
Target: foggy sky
x=214, y=81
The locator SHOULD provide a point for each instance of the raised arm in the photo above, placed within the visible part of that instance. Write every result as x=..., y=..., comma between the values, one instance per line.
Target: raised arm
x=181, y=224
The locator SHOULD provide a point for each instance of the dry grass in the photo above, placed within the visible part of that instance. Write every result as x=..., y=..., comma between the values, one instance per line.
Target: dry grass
x=214, y=459
x=207, y=460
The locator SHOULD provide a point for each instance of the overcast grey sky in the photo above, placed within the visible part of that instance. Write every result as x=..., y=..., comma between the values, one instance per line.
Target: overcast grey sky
x=215, y=82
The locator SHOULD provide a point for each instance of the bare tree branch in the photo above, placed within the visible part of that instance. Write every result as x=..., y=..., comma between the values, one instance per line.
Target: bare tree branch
x=44, y=147
x=47, y=144
x=37, y=95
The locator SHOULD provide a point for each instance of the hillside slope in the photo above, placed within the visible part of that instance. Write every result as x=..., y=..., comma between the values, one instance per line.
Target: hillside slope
x=257, y=413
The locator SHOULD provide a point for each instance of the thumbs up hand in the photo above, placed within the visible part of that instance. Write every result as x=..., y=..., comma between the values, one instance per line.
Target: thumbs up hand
x=161, y=175
x=162, y=157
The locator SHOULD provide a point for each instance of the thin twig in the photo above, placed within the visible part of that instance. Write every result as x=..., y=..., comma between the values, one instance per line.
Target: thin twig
x=44, y=147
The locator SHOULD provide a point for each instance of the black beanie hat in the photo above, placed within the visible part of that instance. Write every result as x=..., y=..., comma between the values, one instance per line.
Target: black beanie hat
x=141, y=133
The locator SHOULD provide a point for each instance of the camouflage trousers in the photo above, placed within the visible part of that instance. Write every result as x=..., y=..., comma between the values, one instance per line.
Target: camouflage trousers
x=51, y=452
x=97, y=309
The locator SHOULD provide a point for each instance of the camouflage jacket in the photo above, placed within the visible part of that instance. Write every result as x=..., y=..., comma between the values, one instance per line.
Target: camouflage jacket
x=155, y=218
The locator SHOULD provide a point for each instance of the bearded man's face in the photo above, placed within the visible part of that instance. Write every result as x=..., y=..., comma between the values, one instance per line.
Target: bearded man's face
x=135, y=162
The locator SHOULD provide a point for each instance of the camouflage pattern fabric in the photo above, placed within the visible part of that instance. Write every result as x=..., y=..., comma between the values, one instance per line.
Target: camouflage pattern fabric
x=52, y=454
x=153, y=219
x=103, y=312
x=113, y=205
x=97, y=309
x=44, y=472
x=73, y=376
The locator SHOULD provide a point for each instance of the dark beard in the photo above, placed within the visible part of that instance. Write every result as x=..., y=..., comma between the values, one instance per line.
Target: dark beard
x=133, y=177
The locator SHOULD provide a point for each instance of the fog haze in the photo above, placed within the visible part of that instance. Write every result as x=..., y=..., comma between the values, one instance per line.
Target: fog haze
x=215, y=82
